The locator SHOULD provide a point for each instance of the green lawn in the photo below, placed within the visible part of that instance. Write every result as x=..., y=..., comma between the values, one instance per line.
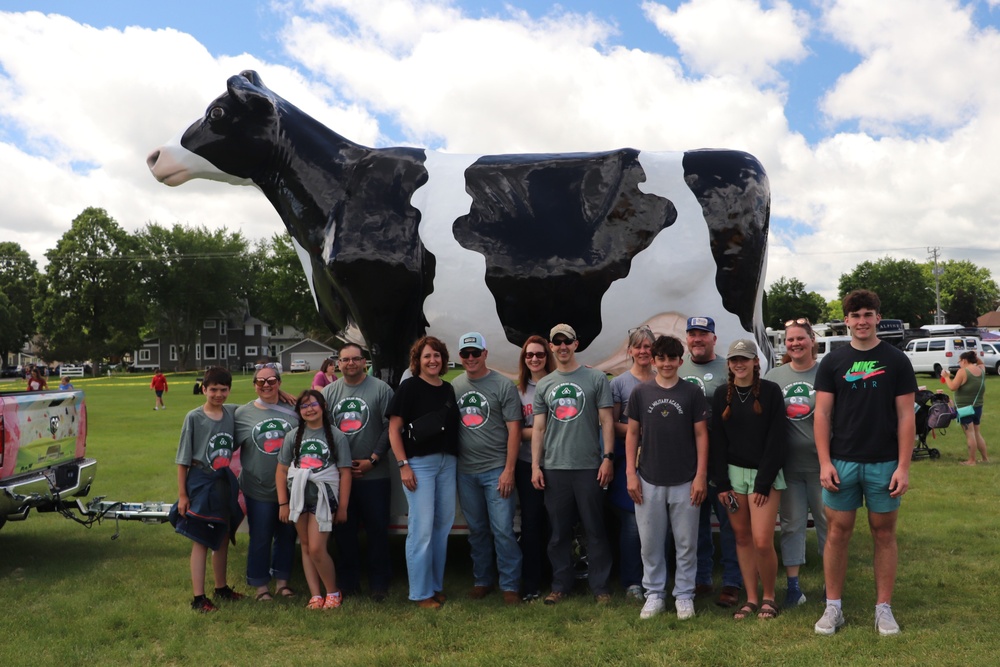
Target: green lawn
x=77, y=597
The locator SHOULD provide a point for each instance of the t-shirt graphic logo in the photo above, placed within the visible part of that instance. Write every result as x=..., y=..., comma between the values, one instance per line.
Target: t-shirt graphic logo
x=474, y=409
x=697, y=381
x=863, y=370
x=220, y=450
x=567, y=401
x=269, y=434
x=351, y=415
x=798, y=405
x=314, y=455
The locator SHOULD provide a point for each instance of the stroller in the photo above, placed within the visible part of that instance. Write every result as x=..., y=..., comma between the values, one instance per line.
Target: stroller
x=933, y=412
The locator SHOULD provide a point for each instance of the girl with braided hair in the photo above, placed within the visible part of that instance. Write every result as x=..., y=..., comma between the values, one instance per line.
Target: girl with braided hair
x=746, y=452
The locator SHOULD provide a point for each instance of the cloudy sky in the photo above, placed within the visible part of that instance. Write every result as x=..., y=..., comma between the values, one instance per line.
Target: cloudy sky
x=874, y=119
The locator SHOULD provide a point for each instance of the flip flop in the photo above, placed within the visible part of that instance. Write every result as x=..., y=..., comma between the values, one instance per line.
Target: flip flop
x=264, y=596
x=285, y=592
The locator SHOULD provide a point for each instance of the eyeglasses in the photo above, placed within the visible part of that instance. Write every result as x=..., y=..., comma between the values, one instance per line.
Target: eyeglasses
x=351, y=360
x=801, y=320
x=470, y=352
x=563, y=341
x=535, y=355
x=270, y=382
x=310, y=404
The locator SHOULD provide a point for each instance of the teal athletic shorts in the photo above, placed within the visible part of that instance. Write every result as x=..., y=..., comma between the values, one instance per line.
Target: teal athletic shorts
x=868, y=481
x=743, y=480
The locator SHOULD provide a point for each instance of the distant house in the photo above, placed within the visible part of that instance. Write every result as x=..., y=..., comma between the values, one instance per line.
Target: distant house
x=311, y=351
x=990, y=320
x=283, y=337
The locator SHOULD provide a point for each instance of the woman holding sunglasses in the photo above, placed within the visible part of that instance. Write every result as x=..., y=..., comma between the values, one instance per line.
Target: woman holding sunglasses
x=746, y=452
x=261, y=426
x=534, y=364
x=797, y=378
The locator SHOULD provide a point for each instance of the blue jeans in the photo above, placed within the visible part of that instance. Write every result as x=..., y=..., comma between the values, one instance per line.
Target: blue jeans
x=491, y=522
x=272, y=544
x=428, y=523
x=706, y=549
x=630, y=549
x=534, y=530
x=369, y=507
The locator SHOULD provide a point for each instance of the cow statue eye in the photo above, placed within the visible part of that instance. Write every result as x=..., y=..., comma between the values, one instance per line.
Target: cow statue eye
x=215, y=113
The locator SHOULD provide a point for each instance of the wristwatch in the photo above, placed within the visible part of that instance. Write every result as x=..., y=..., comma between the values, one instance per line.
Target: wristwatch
x=374, y=461
x=402, y=463
x=610, y=456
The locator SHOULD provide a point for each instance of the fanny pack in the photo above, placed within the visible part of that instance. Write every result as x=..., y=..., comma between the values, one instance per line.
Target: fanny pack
x=424, y=428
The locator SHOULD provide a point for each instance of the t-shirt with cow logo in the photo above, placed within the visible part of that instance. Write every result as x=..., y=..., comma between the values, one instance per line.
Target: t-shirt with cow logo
x=798, y=390
x=316, y=454
x=570, y=403
x=485, y=406
x=207, y=441
x=708, y=376
x=260, y=432
x=358, y=411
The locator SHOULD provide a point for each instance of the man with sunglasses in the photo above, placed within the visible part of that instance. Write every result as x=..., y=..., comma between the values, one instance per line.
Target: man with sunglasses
x=572, y=455
x=357, y=404
x=488, y=442
x=708, y=371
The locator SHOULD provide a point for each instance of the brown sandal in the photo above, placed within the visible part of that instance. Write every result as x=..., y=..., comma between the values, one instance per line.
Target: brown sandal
x=746, y=611
x=768, y=610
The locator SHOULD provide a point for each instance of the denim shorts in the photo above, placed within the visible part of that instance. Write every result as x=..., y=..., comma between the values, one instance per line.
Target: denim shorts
x=867, y=481
x=743, y=480
x=974, y=418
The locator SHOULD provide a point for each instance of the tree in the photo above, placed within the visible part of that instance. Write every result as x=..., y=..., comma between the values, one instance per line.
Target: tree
x=965, y=288
x=88, y=304
x=788, y=299
x=190, y=274
x=18, y=287
x=833, y=311
x=279, y=292
x=901, y=284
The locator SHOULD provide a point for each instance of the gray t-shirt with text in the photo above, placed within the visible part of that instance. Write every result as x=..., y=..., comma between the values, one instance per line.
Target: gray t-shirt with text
x=570, y=403
x=484, y=407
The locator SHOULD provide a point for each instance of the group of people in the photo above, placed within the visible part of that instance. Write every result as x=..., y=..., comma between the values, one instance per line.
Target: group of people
x=682, y=433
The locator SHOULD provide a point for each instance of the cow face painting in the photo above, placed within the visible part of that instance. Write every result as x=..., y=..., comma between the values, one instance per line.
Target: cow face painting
x=401, y=242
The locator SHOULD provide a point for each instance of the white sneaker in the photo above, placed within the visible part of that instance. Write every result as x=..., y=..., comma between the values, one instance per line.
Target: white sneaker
x=652, y=607
x=635, y=592
x=884, y=620
x=831, y=619
x=685, y=609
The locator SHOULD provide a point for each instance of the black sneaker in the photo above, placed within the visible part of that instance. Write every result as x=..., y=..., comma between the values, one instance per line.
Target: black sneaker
x=203, y=604
x=227, y=593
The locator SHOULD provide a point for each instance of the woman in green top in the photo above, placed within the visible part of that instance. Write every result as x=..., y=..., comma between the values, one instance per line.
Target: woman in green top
x=969, y=385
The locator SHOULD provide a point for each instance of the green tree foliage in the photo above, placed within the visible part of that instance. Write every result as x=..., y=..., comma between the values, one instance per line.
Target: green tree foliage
x=18, y=288
x=901, y=284
x=788, y=299
x=834, y=310
x=88, y=304
x=280, y=294
x=189, y=275
x=965, y=289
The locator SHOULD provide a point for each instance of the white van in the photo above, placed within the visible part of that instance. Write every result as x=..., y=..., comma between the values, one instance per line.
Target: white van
x=827, y=344
x=931, y=355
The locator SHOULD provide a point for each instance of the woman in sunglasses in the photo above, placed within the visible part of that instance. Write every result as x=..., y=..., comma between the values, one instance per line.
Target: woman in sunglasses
x=261, y=426
x=535, y=363
x=746, y=452
x=796, y=377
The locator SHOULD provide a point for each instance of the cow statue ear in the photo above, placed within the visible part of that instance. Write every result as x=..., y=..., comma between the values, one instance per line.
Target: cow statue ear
x=249, y=91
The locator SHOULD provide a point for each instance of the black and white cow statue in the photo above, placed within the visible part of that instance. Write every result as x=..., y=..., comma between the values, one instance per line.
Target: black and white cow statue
x=398, y=242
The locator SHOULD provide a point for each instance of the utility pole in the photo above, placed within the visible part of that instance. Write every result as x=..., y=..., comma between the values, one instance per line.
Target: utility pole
x=937, y=271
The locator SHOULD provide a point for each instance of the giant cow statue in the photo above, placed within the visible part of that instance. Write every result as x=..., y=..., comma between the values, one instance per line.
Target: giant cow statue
x=397, y=242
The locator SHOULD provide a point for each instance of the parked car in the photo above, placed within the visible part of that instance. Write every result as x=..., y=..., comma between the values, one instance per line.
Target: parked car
x=990, y=352
x=10, y=372
x=298, y=365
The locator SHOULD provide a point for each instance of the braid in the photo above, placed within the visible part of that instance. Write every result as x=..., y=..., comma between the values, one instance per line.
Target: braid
x=297, y=448
x=756, y=390
x=729, y=396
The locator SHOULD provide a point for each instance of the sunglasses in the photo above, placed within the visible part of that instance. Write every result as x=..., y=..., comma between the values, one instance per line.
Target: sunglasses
x=563, y=341
x=644, y=327
x=535, y=355
x=470, y=352
x=732, y=504
x=310, y=404
x=801, y=320
x=270, y=382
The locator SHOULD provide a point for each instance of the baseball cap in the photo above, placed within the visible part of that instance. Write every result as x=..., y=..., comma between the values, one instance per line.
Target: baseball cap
x=702, y=323
x=564, y=329
x=743, y=347
x=472, y=339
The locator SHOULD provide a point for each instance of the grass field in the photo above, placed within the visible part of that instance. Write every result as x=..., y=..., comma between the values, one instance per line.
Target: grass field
x=76, y=597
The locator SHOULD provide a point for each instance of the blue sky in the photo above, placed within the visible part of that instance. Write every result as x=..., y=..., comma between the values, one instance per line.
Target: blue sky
x=872, y=118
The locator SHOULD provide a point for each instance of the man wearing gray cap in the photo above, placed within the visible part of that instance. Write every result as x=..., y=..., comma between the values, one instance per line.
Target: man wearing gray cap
x=708, y=371
x=572, y=412
x=488, y=442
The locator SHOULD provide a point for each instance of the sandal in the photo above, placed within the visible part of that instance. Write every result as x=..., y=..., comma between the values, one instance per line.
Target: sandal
x=746, y=611
x=768, y=610
x=264, y=596
x=285, y=592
